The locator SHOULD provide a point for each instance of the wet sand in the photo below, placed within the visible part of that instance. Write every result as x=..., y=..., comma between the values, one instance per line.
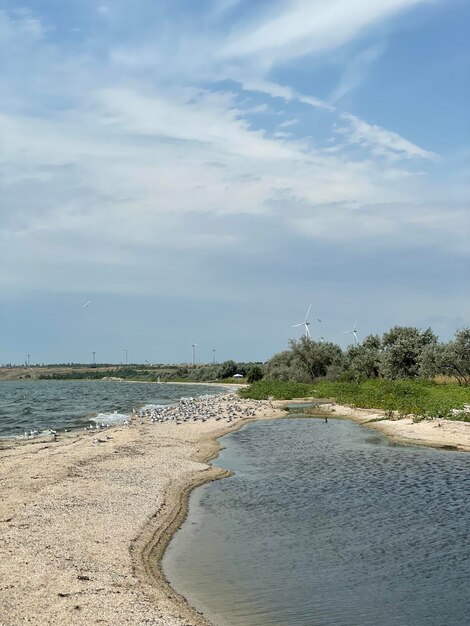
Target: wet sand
x=81, y=514
x=436, y=433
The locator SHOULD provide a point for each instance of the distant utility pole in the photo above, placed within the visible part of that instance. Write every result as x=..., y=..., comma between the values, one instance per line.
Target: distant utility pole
x=94, y=358
x=213, y=356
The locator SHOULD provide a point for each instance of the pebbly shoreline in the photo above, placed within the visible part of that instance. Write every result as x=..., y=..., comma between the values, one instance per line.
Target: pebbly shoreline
x=84, y=520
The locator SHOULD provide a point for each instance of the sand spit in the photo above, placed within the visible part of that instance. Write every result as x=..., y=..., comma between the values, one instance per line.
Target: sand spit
x=81, y=514
x=436, y=433
x=86, y=517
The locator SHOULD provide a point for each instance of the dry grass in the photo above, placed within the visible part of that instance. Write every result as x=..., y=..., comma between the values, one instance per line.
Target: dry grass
x=445, y=380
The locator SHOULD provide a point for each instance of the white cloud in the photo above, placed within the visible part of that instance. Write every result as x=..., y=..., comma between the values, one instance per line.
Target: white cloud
x=298, y=27
x=202, y=116
x=21, y=23
x=288, y=123
x=355, y=71
x=136, y=166
x=279, y=91
x=223, y=6
x=380, y=141
x=388, y=225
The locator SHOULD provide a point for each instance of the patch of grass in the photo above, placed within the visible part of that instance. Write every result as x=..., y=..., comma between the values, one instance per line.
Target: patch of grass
x=278, y=390
x=422, y=398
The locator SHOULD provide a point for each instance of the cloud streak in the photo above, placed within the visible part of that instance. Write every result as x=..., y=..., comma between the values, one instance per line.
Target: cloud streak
x=380, y=141
x=302, y=27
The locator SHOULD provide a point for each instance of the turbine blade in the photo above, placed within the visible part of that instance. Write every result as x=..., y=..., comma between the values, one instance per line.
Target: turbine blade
x=295, y=325
x=308, y=312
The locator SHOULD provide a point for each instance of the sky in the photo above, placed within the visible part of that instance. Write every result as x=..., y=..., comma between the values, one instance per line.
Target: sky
x=204, y=170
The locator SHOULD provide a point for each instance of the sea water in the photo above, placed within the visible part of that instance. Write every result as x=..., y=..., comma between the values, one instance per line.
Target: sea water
x=327, y=524
x=59, y=405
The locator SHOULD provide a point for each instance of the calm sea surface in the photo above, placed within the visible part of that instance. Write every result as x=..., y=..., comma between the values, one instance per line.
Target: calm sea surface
x=327, y=525
x=41, y=405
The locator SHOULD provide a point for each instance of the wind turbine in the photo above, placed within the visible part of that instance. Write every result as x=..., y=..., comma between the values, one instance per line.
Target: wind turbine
x=352, y=332
x=213, y=356
x=306, y=323
x=194, y=345
x=127, y=353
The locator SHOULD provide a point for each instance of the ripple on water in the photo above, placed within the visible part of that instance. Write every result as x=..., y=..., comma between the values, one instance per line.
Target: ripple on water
x=321, y=527
x=40, y=405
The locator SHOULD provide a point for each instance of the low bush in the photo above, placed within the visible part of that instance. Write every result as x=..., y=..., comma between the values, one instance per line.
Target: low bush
x=421, y=398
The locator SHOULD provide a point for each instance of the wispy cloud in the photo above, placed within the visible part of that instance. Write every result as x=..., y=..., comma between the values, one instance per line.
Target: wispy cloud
x=300, y=27
x=355, y=71
x=380, y=141
x=276, y=90
x=189, y=143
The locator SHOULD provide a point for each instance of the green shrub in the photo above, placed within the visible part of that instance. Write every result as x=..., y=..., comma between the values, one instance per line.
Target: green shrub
x=406, y=397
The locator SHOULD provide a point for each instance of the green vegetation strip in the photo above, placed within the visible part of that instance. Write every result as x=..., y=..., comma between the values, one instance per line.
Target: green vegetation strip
x=421, y=398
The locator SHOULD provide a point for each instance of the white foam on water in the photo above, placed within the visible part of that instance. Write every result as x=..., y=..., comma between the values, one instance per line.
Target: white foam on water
x=110, y=418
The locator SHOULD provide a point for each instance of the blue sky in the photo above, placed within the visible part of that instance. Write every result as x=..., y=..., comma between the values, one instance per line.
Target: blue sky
x=203, y=170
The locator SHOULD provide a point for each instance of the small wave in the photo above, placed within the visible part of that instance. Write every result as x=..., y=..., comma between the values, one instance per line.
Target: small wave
x=110, y=418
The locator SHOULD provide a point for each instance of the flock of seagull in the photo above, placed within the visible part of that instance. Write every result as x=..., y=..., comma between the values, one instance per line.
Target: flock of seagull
x=219, y=407
x=201, y=409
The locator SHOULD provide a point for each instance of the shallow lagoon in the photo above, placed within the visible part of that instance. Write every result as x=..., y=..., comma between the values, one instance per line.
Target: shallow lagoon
x=327, y=525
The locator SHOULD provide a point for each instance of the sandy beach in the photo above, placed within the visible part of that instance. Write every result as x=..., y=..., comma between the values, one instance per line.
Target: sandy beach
x=81, y=514
x=436, y=433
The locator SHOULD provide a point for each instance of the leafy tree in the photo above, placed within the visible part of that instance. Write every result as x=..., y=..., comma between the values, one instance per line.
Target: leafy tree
x=279, y=366
x=402, y=350
x=365, y=358
x=227, y=369
x=242, y=369
x=451, y=359
x=457, y=356
x=255, y=373
x=316, y=357
x=432, y=361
